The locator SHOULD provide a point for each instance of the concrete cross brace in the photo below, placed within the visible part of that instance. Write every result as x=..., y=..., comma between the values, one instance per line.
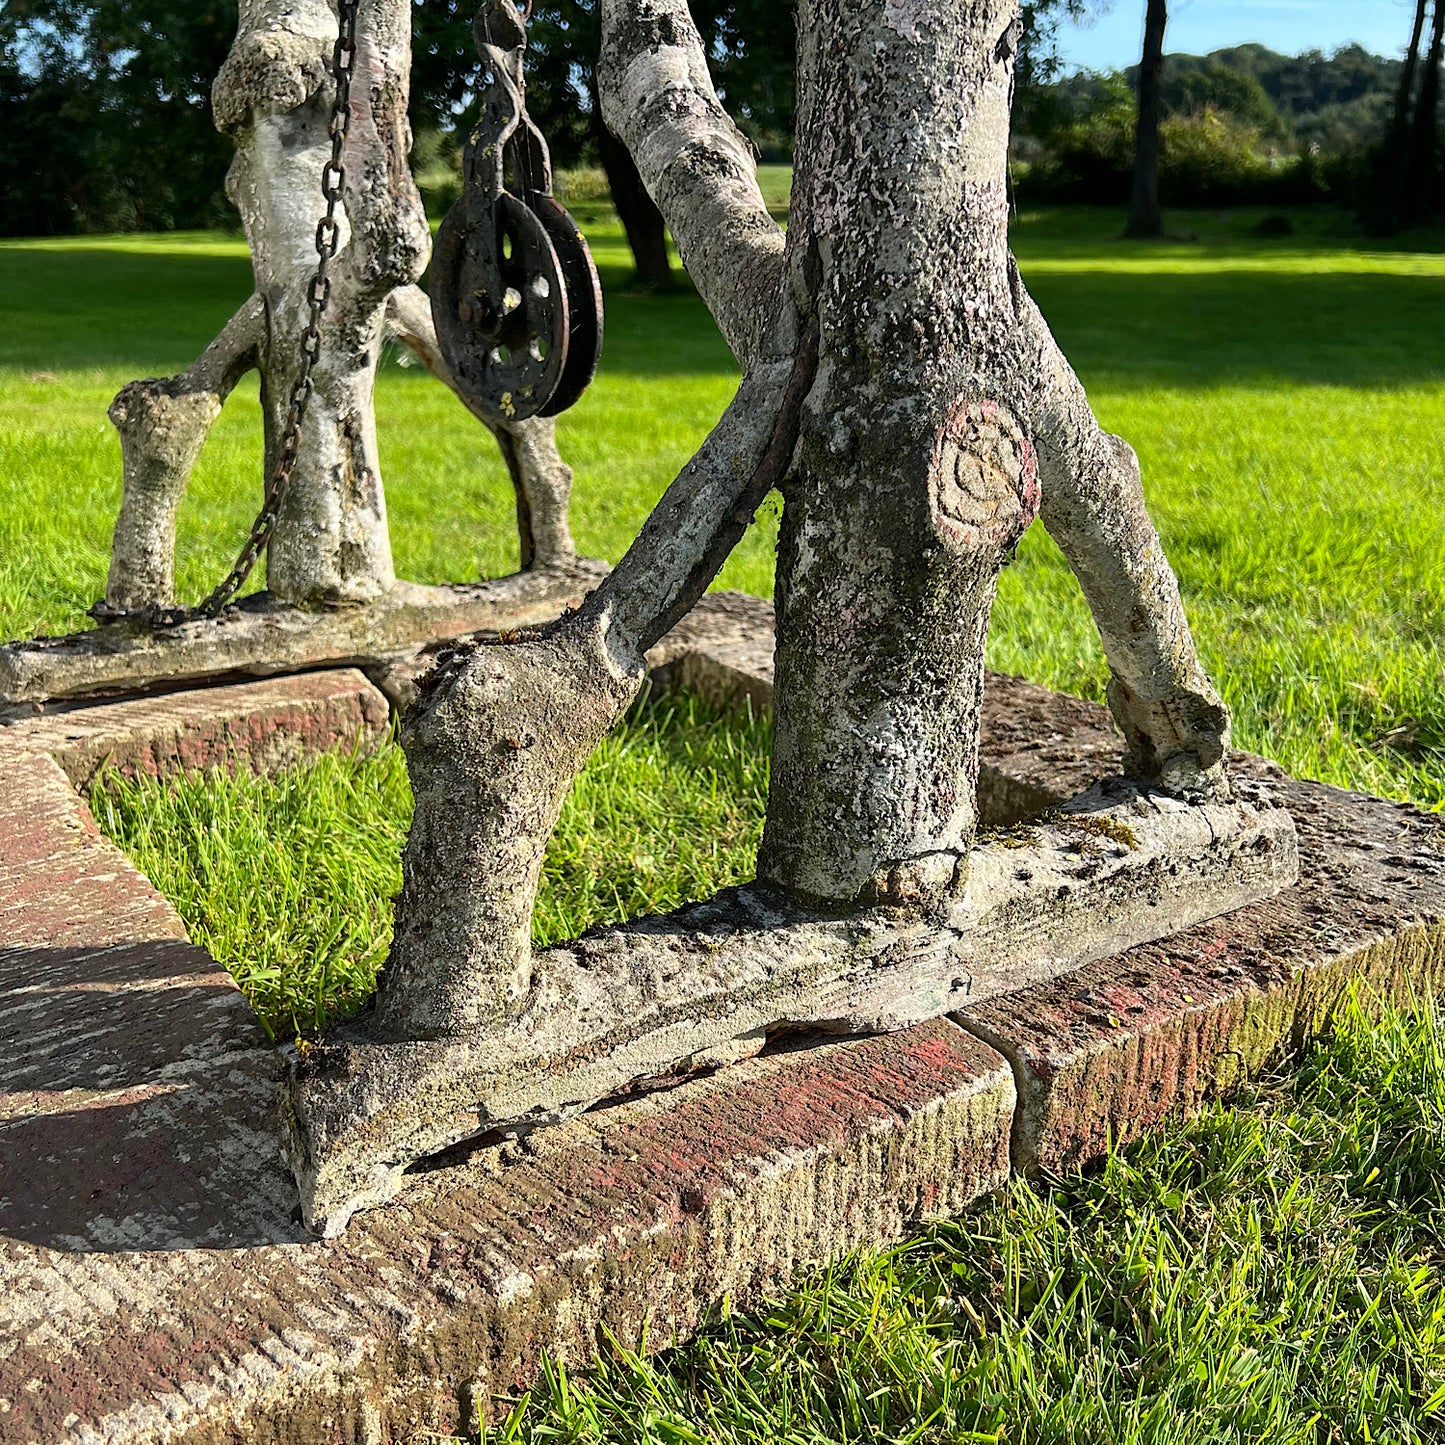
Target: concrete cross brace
x=260, y=636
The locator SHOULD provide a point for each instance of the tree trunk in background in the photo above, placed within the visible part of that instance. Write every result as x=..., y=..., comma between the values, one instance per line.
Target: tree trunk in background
x=1400, y=123
x=1397, y=141
x=642, y=221
x=904, y=394
x=1144, y=216
x=1422, y=165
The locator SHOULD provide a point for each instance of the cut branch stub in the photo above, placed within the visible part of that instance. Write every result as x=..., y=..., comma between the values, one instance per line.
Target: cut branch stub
x=984, y=478
x=492, y=746
x=163, y=424
x=162, y=427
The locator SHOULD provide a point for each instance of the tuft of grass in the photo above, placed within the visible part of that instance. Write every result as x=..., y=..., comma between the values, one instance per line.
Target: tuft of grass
x=1269, y=1272
x=288, y=881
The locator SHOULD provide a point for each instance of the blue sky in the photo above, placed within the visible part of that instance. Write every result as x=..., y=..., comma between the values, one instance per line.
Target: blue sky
x=1199, y=26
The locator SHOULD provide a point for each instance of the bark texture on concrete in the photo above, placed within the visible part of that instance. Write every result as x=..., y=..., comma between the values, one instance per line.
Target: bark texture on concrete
x=262, y=635
x=274, y=97
x=903, y=393
x=714, y=981
x=500, y=730
x=163, y=425
x=658, y=98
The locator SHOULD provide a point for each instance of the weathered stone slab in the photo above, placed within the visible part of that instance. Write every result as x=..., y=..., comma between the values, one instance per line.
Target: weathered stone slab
x=1109, y=1051
x=129, y=1061
x=1115, y=867
x=155, y=1281
x=1039, y=748
x=263, y=726
x=643, y=1215
x=259, y=636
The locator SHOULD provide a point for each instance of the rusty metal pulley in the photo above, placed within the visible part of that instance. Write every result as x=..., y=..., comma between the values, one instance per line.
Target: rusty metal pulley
x=514, y=293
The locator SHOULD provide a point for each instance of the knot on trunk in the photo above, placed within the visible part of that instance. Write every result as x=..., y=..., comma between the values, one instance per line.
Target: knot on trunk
x=983, y=478
x=268, y=72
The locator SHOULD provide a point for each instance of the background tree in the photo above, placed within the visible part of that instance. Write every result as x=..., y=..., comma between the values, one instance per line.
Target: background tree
x=107, y=114
x=1144, y=216
x=1423, y=153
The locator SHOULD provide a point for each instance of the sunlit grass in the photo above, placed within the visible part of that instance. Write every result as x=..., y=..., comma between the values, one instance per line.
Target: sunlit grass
x=1285, y=396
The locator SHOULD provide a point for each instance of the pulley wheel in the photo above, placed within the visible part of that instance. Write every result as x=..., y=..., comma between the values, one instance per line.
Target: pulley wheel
x=584, y=305
x=500, y=306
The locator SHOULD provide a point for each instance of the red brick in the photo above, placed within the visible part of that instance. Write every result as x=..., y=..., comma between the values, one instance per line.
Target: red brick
x=1110, y=1050
x=263, y=725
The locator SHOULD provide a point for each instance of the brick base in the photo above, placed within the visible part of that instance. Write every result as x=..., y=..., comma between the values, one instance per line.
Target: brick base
x=154, y=1281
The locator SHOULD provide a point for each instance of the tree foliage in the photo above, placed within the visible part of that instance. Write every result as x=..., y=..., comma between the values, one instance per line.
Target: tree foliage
x=104, y=114
x=1240, y=125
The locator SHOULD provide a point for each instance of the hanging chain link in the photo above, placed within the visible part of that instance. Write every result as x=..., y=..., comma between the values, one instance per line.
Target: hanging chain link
x=328, y=235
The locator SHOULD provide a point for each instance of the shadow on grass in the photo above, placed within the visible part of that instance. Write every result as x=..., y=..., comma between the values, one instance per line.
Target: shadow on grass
x=1142, y=330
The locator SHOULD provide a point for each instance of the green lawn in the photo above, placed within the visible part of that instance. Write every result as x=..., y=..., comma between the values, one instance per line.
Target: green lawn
x=1285, y=397
x=1265, y=1274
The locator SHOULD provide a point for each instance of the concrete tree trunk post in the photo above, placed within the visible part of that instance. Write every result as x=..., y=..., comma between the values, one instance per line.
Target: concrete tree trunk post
x=905, y=395
x=915, y=476
x=274, y=97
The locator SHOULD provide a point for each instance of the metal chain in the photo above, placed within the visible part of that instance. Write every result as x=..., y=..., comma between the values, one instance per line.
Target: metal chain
x=333, y=182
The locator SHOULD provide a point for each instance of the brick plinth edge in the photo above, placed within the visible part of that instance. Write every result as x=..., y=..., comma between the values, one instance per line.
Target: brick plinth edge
x=154, y=1282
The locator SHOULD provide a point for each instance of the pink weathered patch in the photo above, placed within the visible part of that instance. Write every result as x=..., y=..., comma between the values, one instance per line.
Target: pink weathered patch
x=983, y=478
